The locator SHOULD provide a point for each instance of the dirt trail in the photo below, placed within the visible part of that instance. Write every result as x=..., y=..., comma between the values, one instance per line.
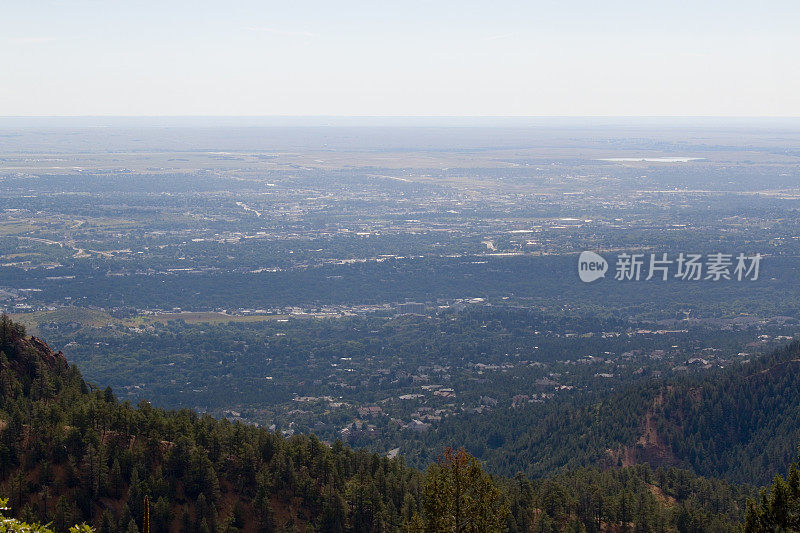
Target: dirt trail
x=650, y=447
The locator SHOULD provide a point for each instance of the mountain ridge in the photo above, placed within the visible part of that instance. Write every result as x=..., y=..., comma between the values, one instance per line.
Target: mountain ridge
x=71, y=452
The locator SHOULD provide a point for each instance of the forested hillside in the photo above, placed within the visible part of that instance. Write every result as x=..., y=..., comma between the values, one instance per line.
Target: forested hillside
x=743, y=426
x=70, y=452
x=741, y=423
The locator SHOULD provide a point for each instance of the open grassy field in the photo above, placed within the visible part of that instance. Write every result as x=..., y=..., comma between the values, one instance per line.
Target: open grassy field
x=97, y=318
x=80, y=315
x=209, y=317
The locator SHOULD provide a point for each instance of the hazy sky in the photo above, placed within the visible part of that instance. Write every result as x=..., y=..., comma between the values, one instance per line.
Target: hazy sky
x=294, y=57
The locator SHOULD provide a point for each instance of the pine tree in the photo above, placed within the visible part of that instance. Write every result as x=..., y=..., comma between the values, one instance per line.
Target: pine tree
x=132, y=527
x=458, y=496
x=778, y=508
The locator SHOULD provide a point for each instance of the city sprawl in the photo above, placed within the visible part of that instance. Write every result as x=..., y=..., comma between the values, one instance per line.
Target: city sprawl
x=412, y=277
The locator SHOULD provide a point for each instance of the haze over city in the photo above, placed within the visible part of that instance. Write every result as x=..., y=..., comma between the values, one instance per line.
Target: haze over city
x=399, y=267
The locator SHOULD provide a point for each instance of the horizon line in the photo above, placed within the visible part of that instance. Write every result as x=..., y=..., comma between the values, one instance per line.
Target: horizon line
x=646, y=116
